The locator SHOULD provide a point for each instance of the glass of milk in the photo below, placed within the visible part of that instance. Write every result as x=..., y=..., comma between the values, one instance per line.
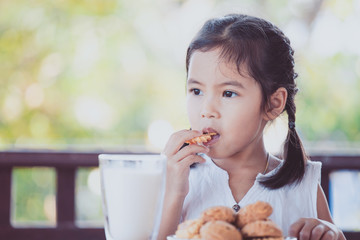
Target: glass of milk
x=132, y=192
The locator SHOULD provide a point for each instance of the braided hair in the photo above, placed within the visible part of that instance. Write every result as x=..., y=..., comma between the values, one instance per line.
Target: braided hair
x=267, y=53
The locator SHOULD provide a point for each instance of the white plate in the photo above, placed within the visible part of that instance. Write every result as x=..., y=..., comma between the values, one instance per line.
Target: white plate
x=172, y=237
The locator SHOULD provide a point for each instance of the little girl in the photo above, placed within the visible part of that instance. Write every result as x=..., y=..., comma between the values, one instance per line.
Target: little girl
x=240, y=76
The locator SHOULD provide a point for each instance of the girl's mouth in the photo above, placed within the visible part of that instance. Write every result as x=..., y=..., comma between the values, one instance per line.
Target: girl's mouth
x=214, y=139
x=214, y=136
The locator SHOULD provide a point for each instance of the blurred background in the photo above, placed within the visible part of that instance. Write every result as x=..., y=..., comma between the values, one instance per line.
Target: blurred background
x=110, y=74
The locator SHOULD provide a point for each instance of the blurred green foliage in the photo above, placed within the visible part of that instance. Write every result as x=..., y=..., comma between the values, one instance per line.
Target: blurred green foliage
x=33, y=191
x=329, y=101
x=77, y=72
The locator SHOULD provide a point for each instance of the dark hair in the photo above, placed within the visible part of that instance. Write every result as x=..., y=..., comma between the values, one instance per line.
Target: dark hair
x=267, y=53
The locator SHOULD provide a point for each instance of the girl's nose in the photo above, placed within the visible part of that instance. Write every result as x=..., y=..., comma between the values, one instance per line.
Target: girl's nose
x=209, y=111
x=208, y=115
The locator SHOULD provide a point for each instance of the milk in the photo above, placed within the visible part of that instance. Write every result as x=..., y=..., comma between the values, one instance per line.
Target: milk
x=131, y=201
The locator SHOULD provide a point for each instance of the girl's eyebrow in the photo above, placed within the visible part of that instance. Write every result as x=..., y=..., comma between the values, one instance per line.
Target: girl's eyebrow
x=228, y=83
x=232, y=83
x=193, y=81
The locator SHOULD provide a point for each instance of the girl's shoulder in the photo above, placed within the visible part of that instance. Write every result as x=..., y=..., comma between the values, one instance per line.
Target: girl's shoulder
x=313, y=170
x=313, y=164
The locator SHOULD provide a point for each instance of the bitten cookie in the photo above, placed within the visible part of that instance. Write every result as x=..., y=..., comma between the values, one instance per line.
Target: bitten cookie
x=261, y=228
x=219, y=230
x=218, y=213
x=201, y=139
x=189, y=229
x=253, y=212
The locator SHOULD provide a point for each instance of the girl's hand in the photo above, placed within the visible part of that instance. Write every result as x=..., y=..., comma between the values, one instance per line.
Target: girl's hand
x=314, y=229
x=179, y=161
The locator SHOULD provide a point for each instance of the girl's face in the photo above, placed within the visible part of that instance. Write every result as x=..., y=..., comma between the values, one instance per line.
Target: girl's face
x=221, y=100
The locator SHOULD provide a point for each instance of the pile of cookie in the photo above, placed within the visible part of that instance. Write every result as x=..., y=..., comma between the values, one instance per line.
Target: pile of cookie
x=222, y=223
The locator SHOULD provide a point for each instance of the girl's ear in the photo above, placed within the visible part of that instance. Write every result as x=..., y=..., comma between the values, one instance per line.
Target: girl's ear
x=276, y=104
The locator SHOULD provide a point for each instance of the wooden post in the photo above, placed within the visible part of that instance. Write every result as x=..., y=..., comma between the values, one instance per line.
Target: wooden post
x=65, y=197
x=5, y=196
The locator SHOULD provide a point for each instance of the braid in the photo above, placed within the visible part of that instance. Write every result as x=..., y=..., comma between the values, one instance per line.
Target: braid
x=293, y=168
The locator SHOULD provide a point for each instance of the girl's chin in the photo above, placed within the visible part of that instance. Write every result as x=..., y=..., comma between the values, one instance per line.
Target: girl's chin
x=213, y=154
x=216, y=153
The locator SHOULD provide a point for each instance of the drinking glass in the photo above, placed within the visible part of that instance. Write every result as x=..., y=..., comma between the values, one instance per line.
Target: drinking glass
x=132, y=187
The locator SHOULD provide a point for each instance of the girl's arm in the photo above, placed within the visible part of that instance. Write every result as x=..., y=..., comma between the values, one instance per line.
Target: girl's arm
x=322, y=228
x=171, y=216
x=177, y=178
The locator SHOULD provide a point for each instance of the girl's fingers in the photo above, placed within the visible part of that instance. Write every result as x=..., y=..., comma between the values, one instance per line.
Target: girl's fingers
x=329, y=235
x=190, y=150
x=184, y=158
x=305, y=233
x=317, y=232
x=296, y=227
x=313, y=229
x=177, y=139
x=186, y=162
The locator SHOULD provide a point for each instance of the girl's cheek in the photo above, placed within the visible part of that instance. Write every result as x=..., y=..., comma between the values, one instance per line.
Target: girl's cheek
x=191, y=104
x=192, y=115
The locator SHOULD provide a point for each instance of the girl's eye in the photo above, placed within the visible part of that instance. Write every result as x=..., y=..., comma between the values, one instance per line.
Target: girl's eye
x=196, y=91
x=229, y=94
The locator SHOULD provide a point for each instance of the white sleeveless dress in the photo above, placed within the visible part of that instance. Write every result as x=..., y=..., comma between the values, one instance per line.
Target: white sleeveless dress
x=209, y=186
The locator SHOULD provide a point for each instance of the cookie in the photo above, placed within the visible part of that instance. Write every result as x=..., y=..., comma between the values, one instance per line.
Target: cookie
x=253, y=212
x=261, y=228
x=219, y=230
x=189, y=229
x=203, y=138
x=219, y=213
